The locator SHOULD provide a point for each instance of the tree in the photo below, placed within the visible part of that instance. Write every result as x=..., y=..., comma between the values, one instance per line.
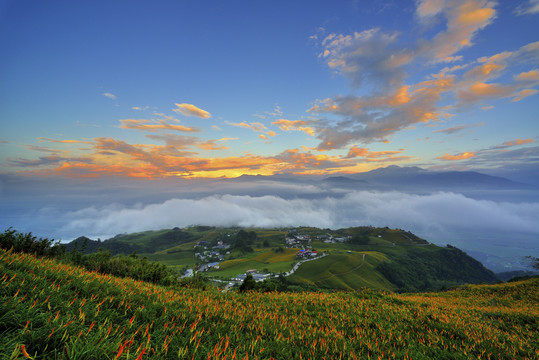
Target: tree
x=534, y=262
x=248, y=284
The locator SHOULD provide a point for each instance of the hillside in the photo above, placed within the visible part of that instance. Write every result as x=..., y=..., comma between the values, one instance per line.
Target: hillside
x=380, y=258
x=52, y=310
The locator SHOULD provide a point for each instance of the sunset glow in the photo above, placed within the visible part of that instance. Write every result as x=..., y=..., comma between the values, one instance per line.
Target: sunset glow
x=314, y=89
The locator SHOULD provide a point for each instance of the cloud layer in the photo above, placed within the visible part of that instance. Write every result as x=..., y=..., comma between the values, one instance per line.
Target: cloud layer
x=438, y=212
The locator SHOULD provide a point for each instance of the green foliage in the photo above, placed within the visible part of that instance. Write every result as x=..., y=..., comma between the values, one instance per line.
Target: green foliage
x=52, y=310
x=534, y=262
x=434, y=268
x=244, y=240
x=30, y=244
x=125, y=266
x=248, y=283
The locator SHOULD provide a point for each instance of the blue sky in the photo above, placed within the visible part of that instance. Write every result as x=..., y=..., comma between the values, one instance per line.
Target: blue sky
x=211, y=88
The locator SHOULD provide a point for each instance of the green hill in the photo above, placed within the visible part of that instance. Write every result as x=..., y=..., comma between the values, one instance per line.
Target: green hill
x=53, y=310
x=380, y=258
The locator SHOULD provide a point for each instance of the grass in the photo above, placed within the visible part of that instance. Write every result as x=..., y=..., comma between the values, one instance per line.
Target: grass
x=51, y=310
x=343, y=270
x=260, y=260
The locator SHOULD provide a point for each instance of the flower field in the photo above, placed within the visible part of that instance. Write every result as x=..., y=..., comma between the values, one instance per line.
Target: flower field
x=50, y=310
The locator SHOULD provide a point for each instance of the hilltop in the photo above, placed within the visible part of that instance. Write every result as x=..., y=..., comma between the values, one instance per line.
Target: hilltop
x=51, y=309
x=380, y=258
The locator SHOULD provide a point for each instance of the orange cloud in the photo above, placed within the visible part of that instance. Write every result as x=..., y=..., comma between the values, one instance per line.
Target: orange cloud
x=462, y=156
x=255, y=126
x=464, y=20
x=518, y=142
x=262, y=136
x=355, y=152
x=375, y=156
x=147, y=125
x=294, y=125
x=532, y=75
x=191, y=110
x=43, y=139
x=524, y=94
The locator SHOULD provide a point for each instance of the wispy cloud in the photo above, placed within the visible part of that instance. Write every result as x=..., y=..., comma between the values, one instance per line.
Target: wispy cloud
x=531, y=7
x=109, y=95
x=154, y=125
x=43, y=139
x=294, y=125
x=255, y=126
x=458, y=128
x=191, y=110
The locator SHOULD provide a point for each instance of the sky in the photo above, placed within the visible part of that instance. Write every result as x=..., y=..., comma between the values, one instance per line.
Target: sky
x=127, y=115
x=221, y=89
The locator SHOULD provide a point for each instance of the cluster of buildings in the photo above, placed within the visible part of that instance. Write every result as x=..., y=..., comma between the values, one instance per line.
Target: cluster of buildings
x=306, y=253
x=330, y=239
x=254, y=273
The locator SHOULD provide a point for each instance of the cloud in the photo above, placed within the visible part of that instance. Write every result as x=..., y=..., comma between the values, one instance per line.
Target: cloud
x=517, y=142
x=480, y=91
x=375, y=156
x=307, y=163
x=376, y=117
x=294, y=125
x=153, y=125
x=458, y=128
x=532, y=7
x=43, y=139
x=461, y=156
x=109, y=95
x=464, y=18
x=431, y=213
x=255, y=126
x=370, y=55
x=191, y=110
x=524, y=94
x=532, y=75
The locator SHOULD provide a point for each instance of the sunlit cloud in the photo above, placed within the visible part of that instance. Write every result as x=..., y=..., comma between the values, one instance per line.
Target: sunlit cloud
x=109, y=95
x=191, y=110
x=463, y=20
x=43, y=139
x=532, y=75
x=294, y=125
x=255, y=126
x=375, y=156
x=461, y=156
x=153, y=125
x=376, y=117
x=517, y=142
x=524, y=94
x=480, y=91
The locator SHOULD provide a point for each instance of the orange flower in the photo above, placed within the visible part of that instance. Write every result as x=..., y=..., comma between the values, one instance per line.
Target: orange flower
x=23, y=348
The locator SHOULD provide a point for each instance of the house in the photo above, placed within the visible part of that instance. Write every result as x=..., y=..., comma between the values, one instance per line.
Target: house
x=256, y=276
x=208, y=266
x=188, y=273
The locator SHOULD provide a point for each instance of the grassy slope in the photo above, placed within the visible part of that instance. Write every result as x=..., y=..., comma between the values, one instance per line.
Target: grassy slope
x=261, y=259
x=59, y=311
x=342, y=270
x=404, y=259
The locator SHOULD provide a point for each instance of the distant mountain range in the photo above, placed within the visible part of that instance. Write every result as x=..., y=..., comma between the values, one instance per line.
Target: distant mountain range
x=400, y=178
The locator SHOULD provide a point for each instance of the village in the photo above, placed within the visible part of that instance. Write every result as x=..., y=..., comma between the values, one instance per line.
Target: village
x=211, y=256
